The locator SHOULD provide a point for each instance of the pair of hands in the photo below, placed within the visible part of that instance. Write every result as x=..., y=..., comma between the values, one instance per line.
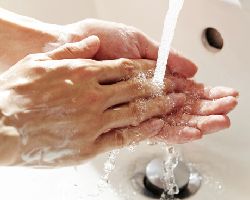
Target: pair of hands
x=67, y=108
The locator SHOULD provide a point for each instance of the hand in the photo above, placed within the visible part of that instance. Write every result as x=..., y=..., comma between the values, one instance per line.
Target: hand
x=62, y=110
x=205, y=111
x=117, y=41
x=121, y=41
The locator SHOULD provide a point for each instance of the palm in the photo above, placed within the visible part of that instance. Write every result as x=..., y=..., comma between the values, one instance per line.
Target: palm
x=204, y=112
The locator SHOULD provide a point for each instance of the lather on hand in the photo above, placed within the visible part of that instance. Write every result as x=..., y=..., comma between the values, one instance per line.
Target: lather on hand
x=76, y=108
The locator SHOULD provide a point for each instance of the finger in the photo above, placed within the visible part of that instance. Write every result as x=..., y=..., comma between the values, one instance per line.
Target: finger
x=126, y=91
x=141, y=110
x=141, y=87
x=217, y=107
x=206, y=124
x=219, y=92
x=178, y=84
x=112, y=71
x=176, y=63
x=122, y=137
x=178, y=134
x=86, y=48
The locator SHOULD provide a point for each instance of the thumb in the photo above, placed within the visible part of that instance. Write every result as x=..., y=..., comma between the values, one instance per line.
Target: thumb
x=86, y=48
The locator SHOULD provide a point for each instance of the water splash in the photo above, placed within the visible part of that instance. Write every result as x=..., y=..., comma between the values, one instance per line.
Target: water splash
x=109, y=167
x=175, y=6
x=170, y=186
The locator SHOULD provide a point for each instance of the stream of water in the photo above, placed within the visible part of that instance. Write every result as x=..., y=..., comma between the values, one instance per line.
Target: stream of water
x=171, y=162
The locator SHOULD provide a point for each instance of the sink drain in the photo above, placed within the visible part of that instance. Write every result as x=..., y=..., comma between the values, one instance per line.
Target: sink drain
x=143, y=184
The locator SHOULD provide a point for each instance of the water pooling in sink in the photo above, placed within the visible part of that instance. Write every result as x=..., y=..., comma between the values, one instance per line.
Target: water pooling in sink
x=170, y=186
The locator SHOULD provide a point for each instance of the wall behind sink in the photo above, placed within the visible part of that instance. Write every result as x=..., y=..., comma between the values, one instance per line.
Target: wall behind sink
x=53, y=11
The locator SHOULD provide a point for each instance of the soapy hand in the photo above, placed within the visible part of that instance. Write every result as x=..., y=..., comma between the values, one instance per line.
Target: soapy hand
x=113, y=45
x=64, y=110
x=205, y=110
x=61, y=87
x=208, y=112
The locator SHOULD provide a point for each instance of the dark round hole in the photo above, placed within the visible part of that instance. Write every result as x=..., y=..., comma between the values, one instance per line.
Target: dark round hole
x=156, y=192
x=214, y=38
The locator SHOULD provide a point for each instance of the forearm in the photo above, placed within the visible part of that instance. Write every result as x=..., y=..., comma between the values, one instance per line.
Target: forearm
x=21, y=35
x=9, y=146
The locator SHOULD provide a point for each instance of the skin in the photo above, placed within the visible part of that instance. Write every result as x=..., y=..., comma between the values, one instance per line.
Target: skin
x=66, y=85
x=116, y=41
x=97, y=105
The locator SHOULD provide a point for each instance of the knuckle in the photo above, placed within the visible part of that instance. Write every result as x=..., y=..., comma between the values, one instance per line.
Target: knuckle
x=125, y=61
x=162, y=104
x=134, y=86
x=36, y=57
x=126, y=65
x=140, y=89
x=68, y=48
x=169, y=85
x=136, y=112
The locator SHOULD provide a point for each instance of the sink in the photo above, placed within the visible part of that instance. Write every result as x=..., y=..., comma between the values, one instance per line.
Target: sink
x=221, y=159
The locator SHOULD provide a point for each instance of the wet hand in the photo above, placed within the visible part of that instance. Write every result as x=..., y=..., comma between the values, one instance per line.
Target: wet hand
x=120, y=41
x=64, y=110
x=205, y=111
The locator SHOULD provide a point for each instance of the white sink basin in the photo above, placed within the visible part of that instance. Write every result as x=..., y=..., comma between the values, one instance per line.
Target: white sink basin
x=222, y=159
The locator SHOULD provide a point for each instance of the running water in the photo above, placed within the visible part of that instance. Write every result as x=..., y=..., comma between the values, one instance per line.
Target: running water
x=170, y=186
x=166, y=40
x=168, y=165
x=109, y=167
x=171, y=162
